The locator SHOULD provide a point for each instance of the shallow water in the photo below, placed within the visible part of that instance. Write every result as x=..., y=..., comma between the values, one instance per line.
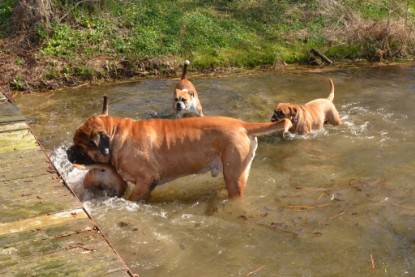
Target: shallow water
x=337, y=202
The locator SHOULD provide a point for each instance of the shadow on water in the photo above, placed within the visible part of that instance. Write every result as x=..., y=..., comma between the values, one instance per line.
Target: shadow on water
x=339, y=201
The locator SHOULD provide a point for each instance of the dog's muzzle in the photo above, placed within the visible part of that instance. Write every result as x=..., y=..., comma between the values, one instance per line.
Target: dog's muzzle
x=274, y=118
x=77, y=155
x=180, y=106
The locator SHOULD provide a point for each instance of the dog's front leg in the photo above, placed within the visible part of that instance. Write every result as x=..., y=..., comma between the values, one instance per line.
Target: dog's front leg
x=143, y=188
x=287, y=126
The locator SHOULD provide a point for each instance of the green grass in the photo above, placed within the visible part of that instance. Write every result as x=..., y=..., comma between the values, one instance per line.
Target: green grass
x=210, y=33
x=345, y=51
x=374, y=9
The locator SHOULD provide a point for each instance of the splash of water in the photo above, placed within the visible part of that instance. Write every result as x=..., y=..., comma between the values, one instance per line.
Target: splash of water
x=358, y=122
x=72, y=176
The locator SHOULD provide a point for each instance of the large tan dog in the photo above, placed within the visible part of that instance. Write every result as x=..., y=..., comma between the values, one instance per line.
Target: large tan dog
x=310, y=116
x=186, y=99
x=151, y=152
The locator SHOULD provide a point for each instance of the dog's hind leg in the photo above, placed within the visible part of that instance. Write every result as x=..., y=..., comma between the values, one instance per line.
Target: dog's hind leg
x=235, y=182
x=333, y=118
x=236, y=167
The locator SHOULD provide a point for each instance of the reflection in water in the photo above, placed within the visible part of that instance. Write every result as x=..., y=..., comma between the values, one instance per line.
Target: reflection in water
x=320, y=204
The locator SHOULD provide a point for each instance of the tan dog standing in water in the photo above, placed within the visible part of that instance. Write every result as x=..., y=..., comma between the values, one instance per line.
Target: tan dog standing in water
x=103, y=177
x=186, y=99
x=310, y=116
x=154, y=151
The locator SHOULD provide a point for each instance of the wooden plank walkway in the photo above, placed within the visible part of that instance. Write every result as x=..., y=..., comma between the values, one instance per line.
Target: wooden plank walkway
x=44, y=231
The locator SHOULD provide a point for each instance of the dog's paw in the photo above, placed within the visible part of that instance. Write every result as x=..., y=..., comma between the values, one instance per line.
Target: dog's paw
x=288, y=136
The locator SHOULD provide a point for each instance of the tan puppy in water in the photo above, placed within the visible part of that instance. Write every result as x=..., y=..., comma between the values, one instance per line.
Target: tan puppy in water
x=103, y=177
x=310, y=116
x=186, y=99
x=151, y=152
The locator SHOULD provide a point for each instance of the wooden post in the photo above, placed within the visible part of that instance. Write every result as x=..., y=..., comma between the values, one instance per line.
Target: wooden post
x=321, y=55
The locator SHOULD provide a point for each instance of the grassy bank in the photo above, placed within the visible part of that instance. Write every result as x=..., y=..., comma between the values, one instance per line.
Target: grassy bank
x=110, y=39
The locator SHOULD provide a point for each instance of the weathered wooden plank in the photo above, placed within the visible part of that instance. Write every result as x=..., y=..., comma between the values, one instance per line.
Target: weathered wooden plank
x=43, y=229
x=41, y=221
x=17, y=140
x=30, y=157
x=25, y=170
x=42, y=182
x=15, y=126
x=10, y=113
x=23, y=162
x=33, y=196
x=22, y=156
x=70, y=248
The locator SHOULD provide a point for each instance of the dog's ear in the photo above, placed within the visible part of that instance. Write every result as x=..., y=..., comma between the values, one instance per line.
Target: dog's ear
x=293, y=112
x=192, y=93
x=102, y=141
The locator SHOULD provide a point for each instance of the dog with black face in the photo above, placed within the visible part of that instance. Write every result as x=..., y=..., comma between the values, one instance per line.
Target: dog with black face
x=101, y=176
x=310, y=116
x=147, y=153
x=186, y=100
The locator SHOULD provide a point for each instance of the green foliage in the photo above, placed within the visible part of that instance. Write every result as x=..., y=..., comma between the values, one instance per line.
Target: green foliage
x=224, y=33
x=345, y=51
x=69, y=42
x=5, y=16
x=210, y=32
x=371, y=9
x=19, y=61
x=18, y=83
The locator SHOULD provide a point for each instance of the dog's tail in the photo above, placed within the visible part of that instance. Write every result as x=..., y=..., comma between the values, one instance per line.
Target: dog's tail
x=331, y=95
x=184, y=74
x=105, y=106
x=264, y=128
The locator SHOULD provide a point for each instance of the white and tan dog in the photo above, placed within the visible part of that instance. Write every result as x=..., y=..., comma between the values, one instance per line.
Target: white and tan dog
x=151, y=152
x=186, y=99
x=310, y=116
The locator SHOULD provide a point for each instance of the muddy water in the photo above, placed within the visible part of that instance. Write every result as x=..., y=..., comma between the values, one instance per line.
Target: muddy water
x=337, y=202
